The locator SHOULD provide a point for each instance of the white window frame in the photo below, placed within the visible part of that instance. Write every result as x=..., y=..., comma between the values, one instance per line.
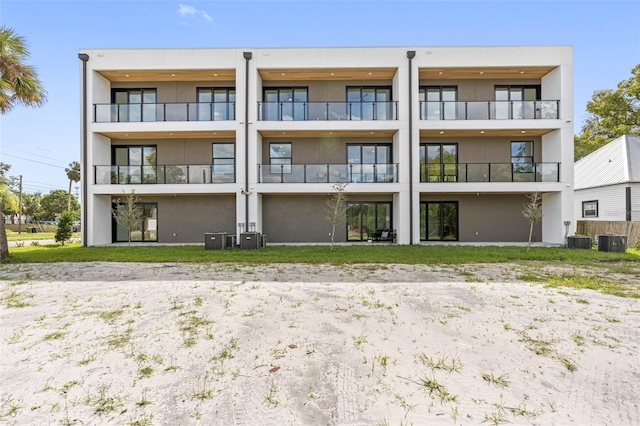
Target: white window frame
x=590, y=208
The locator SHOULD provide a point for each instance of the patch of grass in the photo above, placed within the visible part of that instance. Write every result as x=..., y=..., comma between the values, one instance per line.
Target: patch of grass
x=54, y=336
x=501, y=381
x=145, y=371
x=594, y=283
x=568, y=363
x=110, y=317
x=105, y=403
x=443, y=362
x=340, y=255
x=16, y=299
x=434, y=387
x=536, y=345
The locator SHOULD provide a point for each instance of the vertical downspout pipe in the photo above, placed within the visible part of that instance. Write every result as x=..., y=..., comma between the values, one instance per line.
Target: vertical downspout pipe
x=247, y=58
x=83, y=148
x=410, y=55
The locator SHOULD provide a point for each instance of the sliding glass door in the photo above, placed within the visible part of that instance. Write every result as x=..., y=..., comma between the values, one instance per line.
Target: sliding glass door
x=364, y=218
x=439, y=221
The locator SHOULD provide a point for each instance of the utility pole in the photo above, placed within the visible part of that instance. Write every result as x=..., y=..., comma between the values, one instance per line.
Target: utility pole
x=20, y=207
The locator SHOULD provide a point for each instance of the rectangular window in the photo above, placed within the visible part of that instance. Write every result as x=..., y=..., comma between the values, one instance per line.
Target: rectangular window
x=280, y=157
x=216, y=103
x=147, y=231
x=439, y=162
x=522, y=167
x=369, y=103
x=590, y=208
x=134, y=164
x=285, y=103
x=516, y=102
x=439, y=221
x=365, y=218
x=438, y=102
x=223, y=163
x=370, y=163
x=134, y=105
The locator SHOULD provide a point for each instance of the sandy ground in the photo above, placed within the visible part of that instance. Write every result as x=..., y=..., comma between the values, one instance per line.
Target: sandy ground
x=207, y=344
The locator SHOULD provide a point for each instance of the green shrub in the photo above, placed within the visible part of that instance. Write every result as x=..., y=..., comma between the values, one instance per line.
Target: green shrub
x=65, y=222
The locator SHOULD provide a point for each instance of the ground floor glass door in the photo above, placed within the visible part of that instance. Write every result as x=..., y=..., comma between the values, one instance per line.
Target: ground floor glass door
x=146, y=231
x=439, y=221
x=364, y=218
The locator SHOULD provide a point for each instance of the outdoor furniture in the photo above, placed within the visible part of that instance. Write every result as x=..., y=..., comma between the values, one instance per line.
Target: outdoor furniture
x=384, y=235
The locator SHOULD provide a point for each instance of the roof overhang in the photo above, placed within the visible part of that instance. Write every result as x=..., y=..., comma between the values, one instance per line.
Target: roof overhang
x=484, y=73
x=324, y=74
x=124, y=76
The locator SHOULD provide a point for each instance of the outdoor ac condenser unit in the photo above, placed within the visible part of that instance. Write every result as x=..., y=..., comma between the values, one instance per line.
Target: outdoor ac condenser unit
x=250, y=241
x=215, y=241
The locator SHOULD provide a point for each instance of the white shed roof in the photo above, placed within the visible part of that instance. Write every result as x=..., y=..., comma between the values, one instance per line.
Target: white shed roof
x=616, y=162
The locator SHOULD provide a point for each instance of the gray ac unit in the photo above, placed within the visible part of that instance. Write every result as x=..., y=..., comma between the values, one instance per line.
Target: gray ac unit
x=250, y=241
x=215, y=241
x=614, y=243
x=579, y=242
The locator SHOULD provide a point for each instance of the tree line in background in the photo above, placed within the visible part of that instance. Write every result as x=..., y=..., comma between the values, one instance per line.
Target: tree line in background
x=37, y=207
x=611, y=114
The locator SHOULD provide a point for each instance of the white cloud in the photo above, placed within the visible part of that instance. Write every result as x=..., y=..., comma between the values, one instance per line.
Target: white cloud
x=186, y=10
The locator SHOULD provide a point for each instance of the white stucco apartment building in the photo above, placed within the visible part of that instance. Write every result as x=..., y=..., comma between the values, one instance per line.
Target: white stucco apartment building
x=436, y=143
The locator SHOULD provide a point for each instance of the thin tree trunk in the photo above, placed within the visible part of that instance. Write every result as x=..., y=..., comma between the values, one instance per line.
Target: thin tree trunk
x=69, y=197
x=4, y=245
x=530, y=235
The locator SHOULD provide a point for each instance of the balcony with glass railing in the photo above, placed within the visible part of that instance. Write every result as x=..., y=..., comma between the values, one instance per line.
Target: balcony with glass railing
x=489, y=110
x=490, y=172
x=328, y=173
x=164, y=174
x=169, y=111
x=319, y=111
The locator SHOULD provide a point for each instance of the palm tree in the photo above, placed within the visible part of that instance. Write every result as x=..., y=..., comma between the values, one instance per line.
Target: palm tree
x=73, y=173
x=19, y=85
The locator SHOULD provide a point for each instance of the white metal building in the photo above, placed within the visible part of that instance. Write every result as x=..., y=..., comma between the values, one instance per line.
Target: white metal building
x=607, y=182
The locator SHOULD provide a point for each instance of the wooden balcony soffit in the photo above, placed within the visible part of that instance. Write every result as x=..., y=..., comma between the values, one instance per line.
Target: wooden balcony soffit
x=484, y=73
x=227, y=134
x=475, y=133
x=302, y=74
x=122, y=76
x=327, y=133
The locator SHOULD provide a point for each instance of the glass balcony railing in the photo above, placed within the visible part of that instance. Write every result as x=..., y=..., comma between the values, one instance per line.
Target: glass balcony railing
x=327, y=173
x=308, y=111
x=165, y=174
x=490, y=172
x=177, y=111
x=489, y=110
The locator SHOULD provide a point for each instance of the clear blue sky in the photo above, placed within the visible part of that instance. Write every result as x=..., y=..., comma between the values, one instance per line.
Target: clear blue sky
x=39, y=143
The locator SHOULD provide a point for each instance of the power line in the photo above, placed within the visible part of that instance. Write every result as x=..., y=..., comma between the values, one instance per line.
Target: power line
x=29, y=152
x=34, y=161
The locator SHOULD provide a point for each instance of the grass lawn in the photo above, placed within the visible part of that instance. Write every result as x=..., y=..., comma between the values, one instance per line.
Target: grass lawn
x=24, y=236
x=403, y=254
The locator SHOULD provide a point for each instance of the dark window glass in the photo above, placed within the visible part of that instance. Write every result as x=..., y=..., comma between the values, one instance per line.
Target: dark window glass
x=216, y=104
x=133, y=105
x=285, y=103
x=280, y=157
x=134, y=164
x=365, y=218
x=439, y=162
x=439, y=221
x=147, y=230
x=438, y=102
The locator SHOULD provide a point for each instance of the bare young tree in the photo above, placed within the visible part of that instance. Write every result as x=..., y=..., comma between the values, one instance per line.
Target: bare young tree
x=336, y=208
x=532, y=211
x=128, y=214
